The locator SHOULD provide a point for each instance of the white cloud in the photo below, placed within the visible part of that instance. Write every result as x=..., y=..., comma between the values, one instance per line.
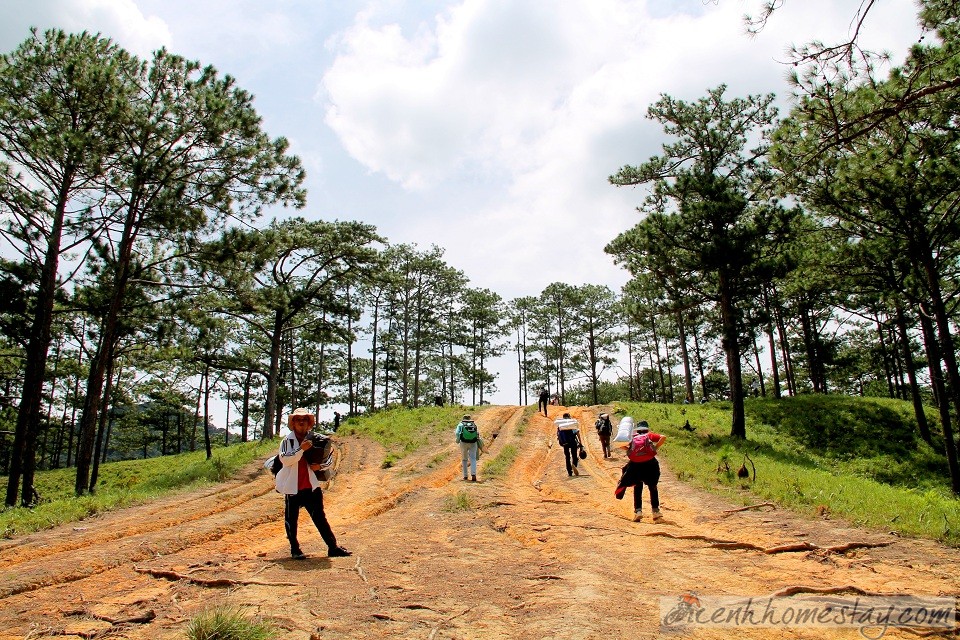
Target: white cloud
x=479, y=88
x=120, y=20
x=551, y=97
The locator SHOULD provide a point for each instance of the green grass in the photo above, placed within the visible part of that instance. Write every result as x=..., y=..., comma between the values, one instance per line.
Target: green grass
x=228, y=623
x=125, y=483
x=525, y=420
x=439, y=459
x=403, y=431
x=853, y=458
x=498, y=466
x=460, y=502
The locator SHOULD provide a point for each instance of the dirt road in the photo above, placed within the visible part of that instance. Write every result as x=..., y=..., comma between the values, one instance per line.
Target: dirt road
x=539, y=554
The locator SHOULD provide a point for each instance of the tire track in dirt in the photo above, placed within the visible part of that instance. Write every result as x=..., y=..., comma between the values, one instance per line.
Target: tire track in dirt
x=95, y=545
x=167, y=512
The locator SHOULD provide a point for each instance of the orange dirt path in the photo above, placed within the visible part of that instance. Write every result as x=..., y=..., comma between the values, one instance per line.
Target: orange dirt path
x=539, y=554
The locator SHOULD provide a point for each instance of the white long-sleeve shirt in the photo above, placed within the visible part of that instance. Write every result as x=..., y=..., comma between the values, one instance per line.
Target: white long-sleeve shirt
x=290, y=455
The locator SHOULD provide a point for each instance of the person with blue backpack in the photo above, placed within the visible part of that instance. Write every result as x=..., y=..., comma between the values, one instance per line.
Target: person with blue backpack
x=641, y=469
x=468, y=437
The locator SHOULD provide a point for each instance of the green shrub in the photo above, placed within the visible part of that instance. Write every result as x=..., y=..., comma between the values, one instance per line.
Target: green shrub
x=460, y=502
x=228, y=623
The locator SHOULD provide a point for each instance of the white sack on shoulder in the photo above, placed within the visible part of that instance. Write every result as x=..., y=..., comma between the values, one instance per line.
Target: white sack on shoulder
x=624, y=430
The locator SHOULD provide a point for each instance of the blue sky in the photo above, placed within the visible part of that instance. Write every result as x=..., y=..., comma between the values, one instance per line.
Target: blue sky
x=486, y=127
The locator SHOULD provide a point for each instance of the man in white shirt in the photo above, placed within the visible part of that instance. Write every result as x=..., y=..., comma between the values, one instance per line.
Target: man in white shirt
x=300, y=487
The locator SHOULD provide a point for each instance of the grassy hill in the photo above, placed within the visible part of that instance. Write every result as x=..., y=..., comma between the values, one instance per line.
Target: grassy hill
x=859, y=459
x=125, y=483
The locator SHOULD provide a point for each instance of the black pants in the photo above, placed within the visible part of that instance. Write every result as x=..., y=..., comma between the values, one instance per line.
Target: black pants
x=570, y=455
x=605, y=443
x=542, y=405
x=649, y=473
x=312, y=501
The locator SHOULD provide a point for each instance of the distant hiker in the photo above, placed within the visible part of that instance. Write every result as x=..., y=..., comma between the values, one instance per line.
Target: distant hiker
x=542, y=403
x=300, y=486
x=604, y=430
x=468, y=437
x=336, y=421
x=438, y=401
x=568, y=435
x=555, y=400
x=641, y=469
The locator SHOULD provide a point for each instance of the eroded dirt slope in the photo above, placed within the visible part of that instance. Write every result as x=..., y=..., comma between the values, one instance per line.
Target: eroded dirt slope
x=539, y=554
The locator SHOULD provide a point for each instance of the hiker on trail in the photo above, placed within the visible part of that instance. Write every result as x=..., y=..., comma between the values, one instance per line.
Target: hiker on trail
x=300, y=487
x=641, y=469
x=604, y=429
x=468, y=437
x=336, y=421
x=555, y=400
x=544, y=399
x=568, y=435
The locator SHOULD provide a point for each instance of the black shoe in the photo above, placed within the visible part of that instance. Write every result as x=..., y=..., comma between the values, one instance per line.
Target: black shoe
x=473, y=478
x=338, y=552
x=298, y=555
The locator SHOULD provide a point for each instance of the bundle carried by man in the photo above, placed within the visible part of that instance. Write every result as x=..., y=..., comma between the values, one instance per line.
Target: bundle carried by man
x=321, y=452
x=625, y=430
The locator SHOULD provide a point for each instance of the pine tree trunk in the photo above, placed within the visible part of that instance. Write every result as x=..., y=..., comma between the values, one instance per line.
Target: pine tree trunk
x=351, y=398
x=731, y=347
x=245, y=417
x=774, y=367
x=685, y=356
x=108, y=340
x=785, y=352
x=101, y=424
x=942, y=323
x=912, y=376
x=22, y=455
x=699, y=357
x=891, y=391
x=270, y=410
x=206, y=409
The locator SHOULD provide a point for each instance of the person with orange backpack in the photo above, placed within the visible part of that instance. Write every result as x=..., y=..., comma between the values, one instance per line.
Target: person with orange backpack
x=641, y=469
